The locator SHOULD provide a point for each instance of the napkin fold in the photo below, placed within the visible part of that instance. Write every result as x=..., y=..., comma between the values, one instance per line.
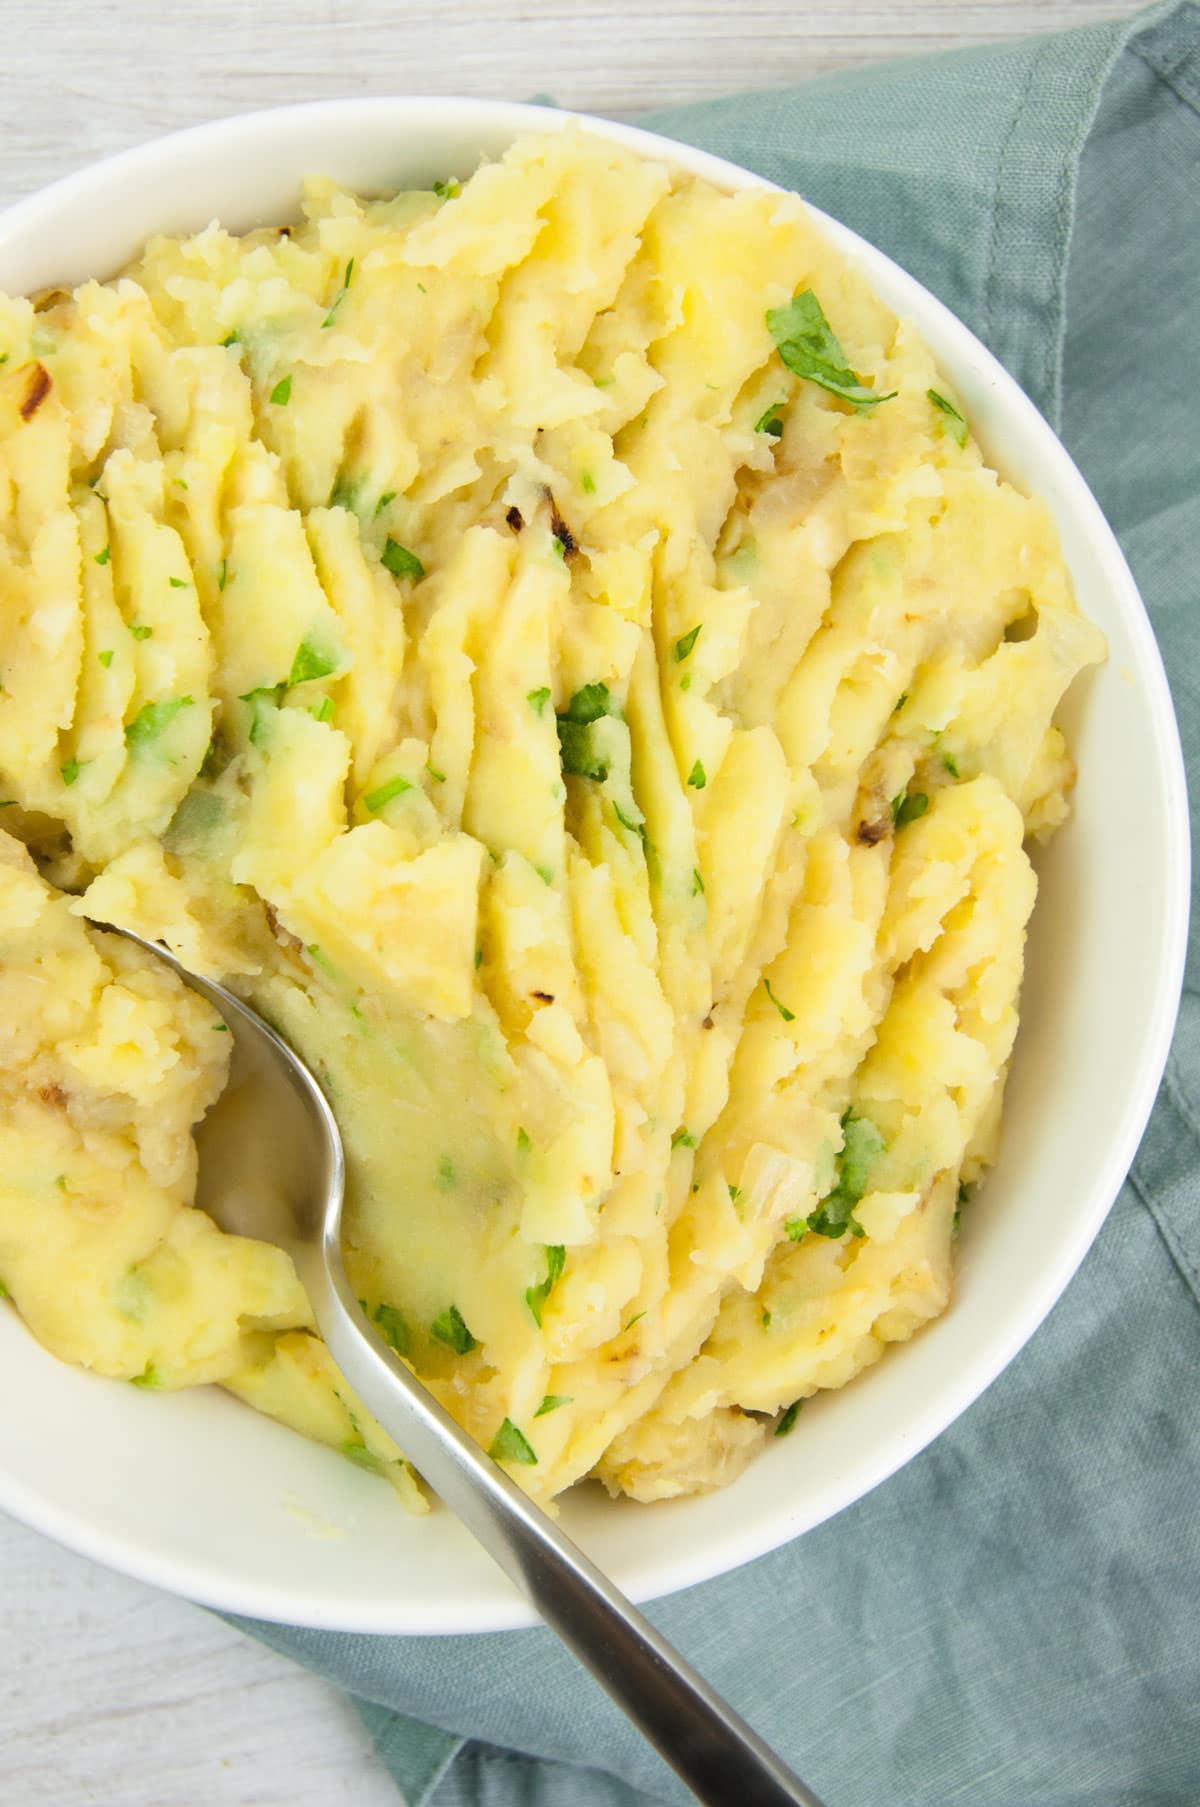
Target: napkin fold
x=1014, y=1618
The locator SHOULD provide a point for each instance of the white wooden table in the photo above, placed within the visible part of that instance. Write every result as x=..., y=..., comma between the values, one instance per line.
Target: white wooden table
x=112, y=1695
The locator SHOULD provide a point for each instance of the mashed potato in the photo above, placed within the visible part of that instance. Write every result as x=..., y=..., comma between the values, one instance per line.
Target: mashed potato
x=554, y=647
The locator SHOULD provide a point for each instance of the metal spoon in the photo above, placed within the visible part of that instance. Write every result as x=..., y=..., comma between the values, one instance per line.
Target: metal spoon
x=272, y=1167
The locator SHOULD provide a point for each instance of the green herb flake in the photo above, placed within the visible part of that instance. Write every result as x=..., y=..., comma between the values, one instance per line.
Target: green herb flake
x=230, y=339
x=551, y=1403
x=70, y=770
x=900, y=702
x=523, y=1142
x=393, y=1327
x=222, y=575
x=5, y=1294
x=220, y=1028
x=140, y=631
x=385, y=501
x=153, y=720
x=438, y=777
x=685, y=643
x=587, y=483
x=322, y=711
x=789, y=1418
x=951, y=765
x=321, y=959
x=106, y=657
x=447, y=1176
x=450, y=1329
x=149, y=1377
x=338, y=299
x=510, y=1445
x=809, y=347
x=577, y=749
x=281, y=394
x=697, y=777
x=537, y=699
x=909, y=806
x=102, y=558
x=379, y=799
x=697, y=882
x=862, y=1146
x=685, y=682
x=536, y=1296
x=683, y=1138
x=311, y=662
x=357, y=1452
x=448, y=190
x=8, y=803
x=478, y=958
x=956, y=426
x=766, y=1320
x=789, y=1016
x=399, y=560
x=178, y=583
x=628, y=822
x=797, y=1228
x=635, y=1319
x=771, y=421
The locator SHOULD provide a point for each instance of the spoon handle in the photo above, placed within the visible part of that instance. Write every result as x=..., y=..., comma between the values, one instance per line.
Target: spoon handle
x=722, y=1760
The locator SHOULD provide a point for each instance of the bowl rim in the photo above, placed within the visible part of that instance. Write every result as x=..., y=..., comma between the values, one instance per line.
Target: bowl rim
x=205, y=1582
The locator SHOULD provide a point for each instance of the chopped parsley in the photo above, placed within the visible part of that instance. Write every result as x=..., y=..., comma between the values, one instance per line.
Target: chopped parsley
x=388, y=497
x=789, y=1418
x=106, y=658
x=438, y=777
x=523, y=1142
x=70, y=770
x=809, y=347
x=448, y=190
x=149, y=1377
x=178, y=583
x=951, y=765
x=580, y=756
x=230, y=339
x=281, y=394
x=399, y=560
x=153, y=719
x=222, y=575
x=697, y=882
x=900, y=702
x=628, y=822
x=909, y=806
x=770, y=421
x=735, y=1192
x=537, y=699
x=862, y=1146
x=956, y=426
x=5, y=1294
x=510, y=1445
x=635, y=1319
x=697, y=777
x=796, y=1228
x=140, y=631
x=379, y=799
x=322, y=711
x=536, y=1296
x=450, y=1329
x=392, y=1326
x=446, y=1175
x=587, y=484
x=310, y=662
x=683, y=1138
x=789, y=1016
x=685, y=643
x=102, y=558
x=550, y=1403
x=356, y=1451
x=338, y=299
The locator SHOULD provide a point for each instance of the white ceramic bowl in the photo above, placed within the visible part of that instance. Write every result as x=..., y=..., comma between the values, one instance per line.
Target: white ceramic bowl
x=199, y=1495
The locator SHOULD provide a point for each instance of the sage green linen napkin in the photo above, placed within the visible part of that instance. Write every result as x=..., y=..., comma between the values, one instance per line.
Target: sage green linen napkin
x=1014, y=1618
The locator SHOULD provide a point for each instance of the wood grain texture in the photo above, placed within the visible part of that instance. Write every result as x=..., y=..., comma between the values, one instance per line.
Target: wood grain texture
x=113, y=1695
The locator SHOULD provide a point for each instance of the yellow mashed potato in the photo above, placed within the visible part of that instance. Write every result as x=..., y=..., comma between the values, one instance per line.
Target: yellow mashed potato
x=554, y=647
